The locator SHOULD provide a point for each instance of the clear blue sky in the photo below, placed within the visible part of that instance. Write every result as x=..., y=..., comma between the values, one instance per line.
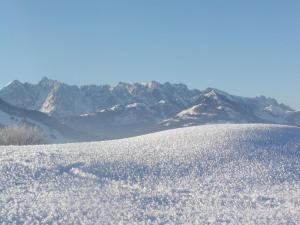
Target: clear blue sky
x=243, y=47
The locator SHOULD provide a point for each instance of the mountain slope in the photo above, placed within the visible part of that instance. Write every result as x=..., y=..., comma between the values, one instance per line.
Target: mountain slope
x=214, y=174
x=215, y=106
x=117, y=122
x=52, y=129
x=124, y=110
x=62, y=100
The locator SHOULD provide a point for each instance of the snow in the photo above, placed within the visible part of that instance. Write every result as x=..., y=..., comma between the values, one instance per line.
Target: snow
x=135, y=105
x=193, y=111
x=116, y=108
x=211, y=94
x=6, y=85
x=212, y=174
x=52, y=135
x=275, y=110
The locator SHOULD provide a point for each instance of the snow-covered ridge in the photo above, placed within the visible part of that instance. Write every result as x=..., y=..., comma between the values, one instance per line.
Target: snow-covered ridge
x=215, y=106
x=124, y=110
x=54, y=131
x=214, y=174
x=61, y=100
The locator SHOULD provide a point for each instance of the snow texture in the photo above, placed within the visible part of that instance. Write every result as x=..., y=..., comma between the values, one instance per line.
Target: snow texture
x=214, y=174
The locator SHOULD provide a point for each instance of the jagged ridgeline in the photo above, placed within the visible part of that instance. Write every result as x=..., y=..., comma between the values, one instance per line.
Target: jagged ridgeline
x=123, y=110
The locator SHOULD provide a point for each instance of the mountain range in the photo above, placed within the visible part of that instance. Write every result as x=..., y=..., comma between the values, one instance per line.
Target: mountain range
x=123, y=110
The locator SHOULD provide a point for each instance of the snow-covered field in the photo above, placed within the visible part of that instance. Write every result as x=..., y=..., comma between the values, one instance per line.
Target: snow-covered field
x=214, y=174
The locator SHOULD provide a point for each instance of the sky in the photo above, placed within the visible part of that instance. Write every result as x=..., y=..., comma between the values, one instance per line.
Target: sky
x=247, y=48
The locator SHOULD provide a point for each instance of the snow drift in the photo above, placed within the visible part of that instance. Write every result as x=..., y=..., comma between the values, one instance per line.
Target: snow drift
x=214, y=174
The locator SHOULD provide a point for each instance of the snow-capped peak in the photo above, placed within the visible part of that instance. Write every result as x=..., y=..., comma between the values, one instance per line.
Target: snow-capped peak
x=14, y=83
x=211, y=94
x=153, y=84
x=140, y=102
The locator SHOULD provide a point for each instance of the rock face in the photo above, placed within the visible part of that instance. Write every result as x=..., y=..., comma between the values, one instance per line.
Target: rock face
x=62, y=100
x=131, y=109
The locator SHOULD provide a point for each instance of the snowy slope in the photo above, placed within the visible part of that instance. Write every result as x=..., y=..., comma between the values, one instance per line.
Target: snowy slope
x=52, y=136
x=214, y=174
x=54, y=131
x=215, y=106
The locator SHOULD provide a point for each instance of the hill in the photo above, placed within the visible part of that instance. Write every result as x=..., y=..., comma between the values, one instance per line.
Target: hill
x=213, y=174
x=53, y=130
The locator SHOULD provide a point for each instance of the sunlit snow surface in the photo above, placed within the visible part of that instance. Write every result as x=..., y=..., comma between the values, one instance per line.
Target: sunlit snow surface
x=215, y=174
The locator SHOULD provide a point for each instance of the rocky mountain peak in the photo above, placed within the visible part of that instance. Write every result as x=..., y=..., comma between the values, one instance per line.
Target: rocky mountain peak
x=130, y=109
x=45, y=82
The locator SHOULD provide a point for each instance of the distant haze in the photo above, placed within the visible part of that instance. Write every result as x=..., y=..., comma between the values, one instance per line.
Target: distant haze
x=246, y=48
